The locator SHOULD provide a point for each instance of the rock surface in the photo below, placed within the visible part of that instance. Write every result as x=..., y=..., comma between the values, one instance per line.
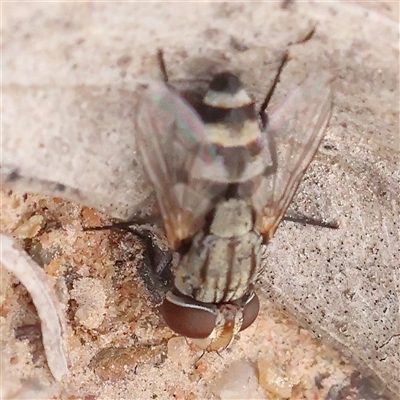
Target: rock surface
x=70, y=72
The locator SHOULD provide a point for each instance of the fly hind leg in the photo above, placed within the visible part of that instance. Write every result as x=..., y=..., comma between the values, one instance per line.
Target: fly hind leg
x=161, y=63
x=263, y=114
x=271, y=169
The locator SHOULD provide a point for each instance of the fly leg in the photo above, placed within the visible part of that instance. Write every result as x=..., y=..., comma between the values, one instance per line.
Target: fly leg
x=156, y=267
x=163, y=68
x=302, y=219
x=271, y=169
x=263, y=114
x=263, y=110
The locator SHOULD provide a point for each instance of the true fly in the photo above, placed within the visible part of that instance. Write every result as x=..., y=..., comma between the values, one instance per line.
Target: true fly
x=224, y=174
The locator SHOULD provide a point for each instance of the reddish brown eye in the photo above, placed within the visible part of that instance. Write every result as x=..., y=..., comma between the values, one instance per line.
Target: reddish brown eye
x=188, y=320
x=250, y=312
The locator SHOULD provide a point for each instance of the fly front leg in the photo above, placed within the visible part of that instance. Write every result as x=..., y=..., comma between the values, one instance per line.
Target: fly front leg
x=155, y=270
x=156, y=267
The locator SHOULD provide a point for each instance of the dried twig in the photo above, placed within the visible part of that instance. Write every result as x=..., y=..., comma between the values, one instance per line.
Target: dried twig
x=17, y=261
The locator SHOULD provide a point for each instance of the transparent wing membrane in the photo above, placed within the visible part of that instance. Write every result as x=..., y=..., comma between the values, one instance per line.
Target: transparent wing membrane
x=170, y=135
x=295, y=130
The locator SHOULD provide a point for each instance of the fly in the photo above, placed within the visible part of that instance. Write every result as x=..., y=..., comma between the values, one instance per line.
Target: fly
x=224, y=174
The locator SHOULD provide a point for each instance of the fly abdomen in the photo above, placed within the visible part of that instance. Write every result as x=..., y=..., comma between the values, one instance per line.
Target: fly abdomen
x=228, y=116
x=233, y=131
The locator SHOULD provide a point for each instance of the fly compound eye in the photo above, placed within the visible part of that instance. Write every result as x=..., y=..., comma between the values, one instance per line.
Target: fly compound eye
x=250, y=311
x=187, y=318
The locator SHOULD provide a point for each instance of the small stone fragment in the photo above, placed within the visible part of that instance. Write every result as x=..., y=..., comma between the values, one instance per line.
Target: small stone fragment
x=113, y=364
x=90, y=216
x=91, y=298
x=29, y=228
x=274, y=380
x=180, y=352
x=238, y=381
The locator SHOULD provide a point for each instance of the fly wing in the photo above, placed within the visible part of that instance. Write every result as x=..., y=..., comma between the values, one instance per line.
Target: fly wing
x=170, y=136
x=294, y=131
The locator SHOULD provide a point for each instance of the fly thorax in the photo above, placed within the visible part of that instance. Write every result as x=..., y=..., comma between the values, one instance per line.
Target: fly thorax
x=222, y=264
x=232, y=218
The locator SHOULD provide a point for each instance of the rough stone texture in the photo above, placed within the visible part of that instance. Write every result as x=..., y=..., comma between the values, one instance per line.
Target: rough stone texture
x=69, y=76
